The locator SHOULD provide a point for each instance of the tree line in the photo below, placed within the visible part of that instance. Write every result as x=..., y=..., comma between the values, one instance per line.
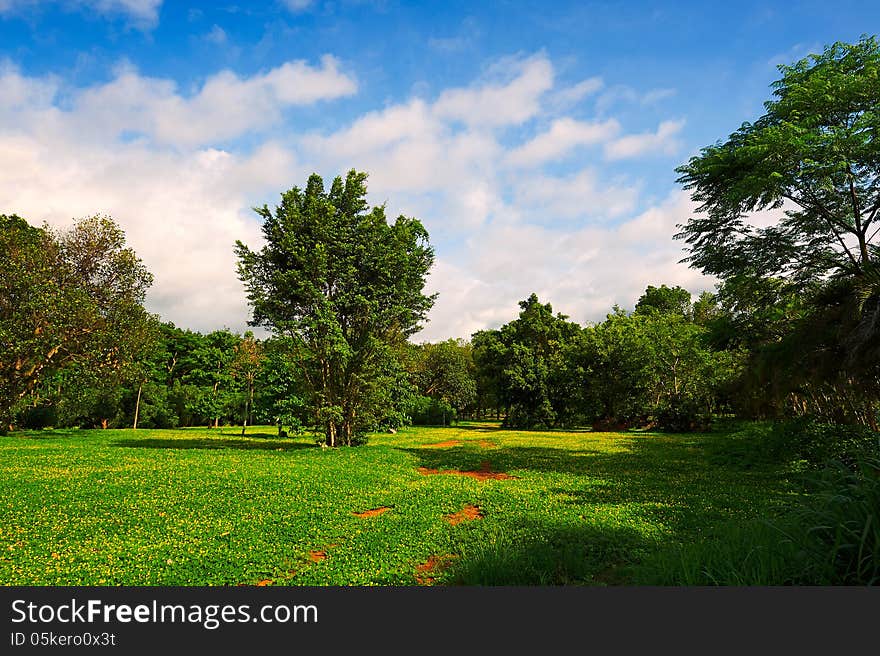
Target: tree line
x=792, y=329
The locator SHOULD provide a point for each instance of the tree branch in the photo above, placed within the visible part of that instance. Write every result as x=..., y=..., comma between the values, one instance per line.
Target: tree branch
x=830, y=220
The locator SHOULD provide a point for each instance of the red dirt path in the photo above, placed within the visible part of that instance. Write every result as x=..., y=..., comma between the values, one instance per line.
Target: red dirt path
x=467, y=514
x=373, y=512
x=427, y=572
x=485, y=473
x=443, y=445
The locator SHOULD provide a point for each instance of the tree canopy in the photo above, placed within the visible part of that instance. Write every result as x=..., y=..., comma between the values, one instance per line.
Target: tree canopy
x=69, y=300
x=803, y=293
x=815, y=154
x=345, y=286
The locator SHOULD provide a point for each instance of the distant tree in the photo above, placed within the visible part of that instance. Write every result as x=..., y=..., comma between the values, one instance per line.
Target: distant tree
x=674, y=300
x=649, y=368
x=346, y=288
x=705, y=308
x=69, y=298
x=280, y=386
x=212, y=374
x=526, y=358
x=245, y=369
x=488, y=353
x=445, y=371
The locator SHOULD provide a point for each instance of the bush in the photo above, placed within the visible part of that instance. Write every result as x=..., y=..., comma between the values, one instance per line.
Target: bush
x=428, y=411
x=804, y=443
x=42, y=416
x=683, y=416
x=819, y=443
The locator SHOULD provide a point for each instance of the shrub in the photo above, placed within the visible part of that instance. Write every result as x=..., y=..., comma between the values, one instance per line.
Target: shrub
x=819, y=443
x=804, y=443
x=683, y=416
x=428, y=411
x=41, y=416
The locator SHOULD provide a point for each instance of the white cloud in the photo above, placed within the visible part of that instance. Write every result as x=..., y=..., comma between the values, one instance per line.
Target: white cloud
x=564, y=135
x=582, y=273
x=580, y=195
x=408, y=149
x=181, y=213
x=572, y=95
x=297, y=6
x=510, y=102
x=225, y=107
x=152, y=156
x=21, y=93
x=142, y=13
x=181, y=205
x=217, y=35
x=622, y=93
x=662, y=141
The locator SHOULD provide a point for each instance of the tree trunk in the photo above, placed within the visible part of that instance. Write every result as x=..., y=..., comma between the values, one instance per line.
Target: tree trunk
x=251, y=402
x=245, y=421
x=331, y=434
x=872, y=417
x=137, y=405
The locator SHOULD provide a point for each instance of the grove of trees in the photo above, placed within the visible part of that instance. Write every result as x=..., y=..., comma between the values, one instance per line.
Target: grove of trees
x=792, y=329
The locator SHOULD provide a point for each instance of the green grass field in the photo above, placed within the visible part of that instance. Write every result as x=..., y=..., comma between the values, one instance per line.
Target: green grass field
x=207, y=507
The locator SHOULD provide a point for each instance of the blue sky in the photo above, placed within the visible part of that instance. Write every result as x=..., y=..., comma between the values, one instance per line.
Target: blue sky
x=536, y=141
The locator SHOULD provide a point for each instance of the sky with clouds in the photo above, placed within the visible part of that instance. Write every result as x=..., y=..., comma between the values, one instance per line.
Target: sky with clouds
x=536, y=141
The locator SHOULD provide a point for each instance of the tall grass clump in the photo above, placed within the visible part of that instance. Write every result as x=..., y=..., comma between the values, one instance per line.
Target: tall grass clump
x=832, y=537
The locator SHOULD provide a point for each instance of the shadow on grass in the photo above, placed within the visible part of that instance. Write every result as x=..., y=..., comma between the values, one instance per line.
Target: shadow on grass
x=46, y=433
x=529, y=553
x=259, y=436
x=495, y=427
x=213, y=444
x=670, y=480
x=491, y=428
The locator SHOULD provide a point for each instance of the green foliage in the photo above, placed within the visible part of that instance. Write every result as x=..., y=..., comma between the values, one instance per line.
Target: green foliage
x=663, y=299
x=815, y=148
x=430, y=411
x=524, y=361
x=345, y=287
x=653, y=367
x=799, y=443
x=279, y=387
x=814, y=155
x=445, y=372
x=69, y=300
x=817, y=443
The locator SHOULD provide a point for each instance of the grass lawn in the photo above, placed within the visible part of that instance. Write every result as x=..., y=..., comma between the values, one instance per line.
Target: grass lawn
x=207, y=507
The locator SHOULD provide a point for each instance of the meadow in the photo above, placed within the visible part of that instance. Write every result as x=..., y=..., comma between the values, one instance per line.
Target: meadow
x=470, y=504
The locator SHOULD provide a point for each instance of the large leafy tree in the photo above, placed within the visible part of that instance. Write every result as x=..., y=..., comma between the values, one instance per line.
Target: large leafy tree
x=651, y=367
x=345, y=286
x=665, y=299
x=69, y=300
x=525, y=359
x=815, y=156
